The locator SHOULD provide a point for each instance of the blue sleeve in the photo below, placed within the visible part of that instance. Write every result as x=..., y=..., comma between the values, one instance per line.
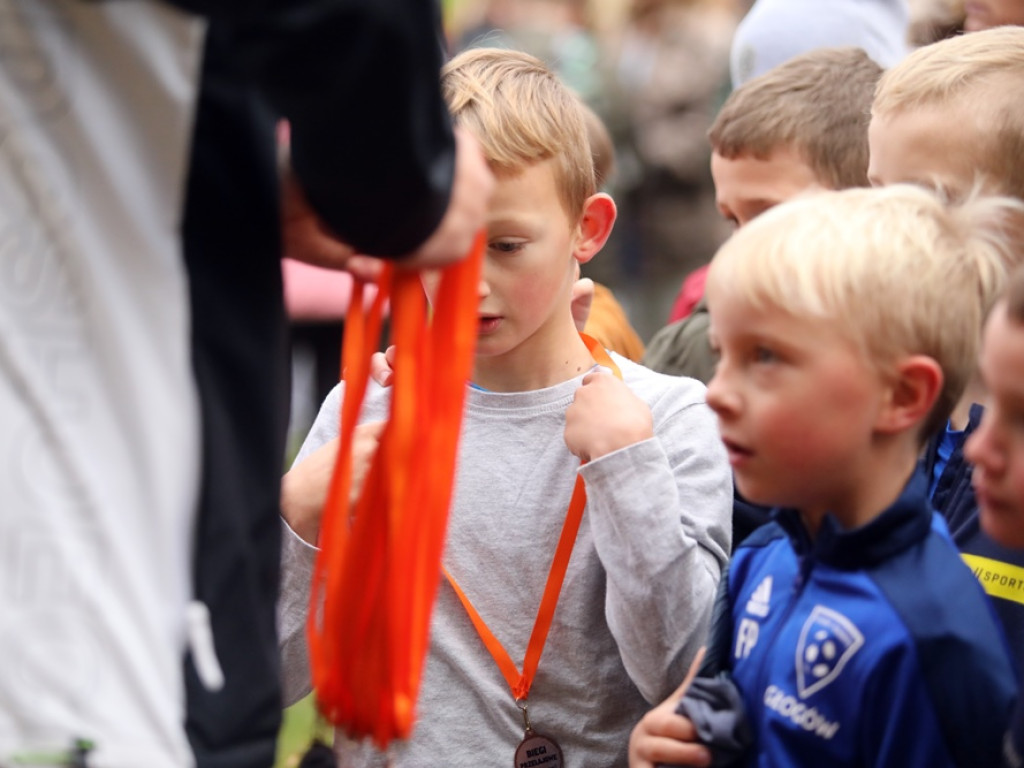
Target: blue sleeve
x=719, y=642
x=956, y=689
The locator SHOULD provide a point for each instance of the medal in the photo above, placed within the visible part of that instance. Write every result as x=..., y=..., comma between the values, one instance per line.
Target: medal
x=536, y=749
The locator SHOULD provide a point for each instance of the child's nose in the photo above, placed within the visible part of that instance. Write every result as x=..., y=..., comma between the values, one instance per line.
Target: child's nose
x=981, y=448
x=720, y=396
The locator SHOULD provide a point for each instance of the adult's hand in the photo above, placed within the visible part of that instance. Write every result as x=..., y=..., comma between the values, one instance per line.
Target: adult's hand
x=306, y=238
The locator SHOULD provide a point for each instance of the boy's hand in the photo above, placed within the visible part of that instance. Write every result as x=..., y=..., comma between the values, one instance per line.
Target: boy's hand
x=382, y=366
x=663, y=737
x=304, y=488
x=604, y=417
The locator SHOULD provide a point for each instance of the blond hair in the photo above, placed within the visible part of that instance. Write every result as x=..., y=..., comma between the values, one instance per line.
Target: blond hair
x=977, y=78
x=897, y=269
x=817, y=104
x=1014, y=296
x=522, y=114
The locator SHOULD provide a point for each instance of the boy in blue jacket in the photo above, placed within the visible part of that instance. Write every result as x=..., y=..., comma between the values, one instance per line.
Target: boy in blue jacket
x=996, y=449
x=950, y=115
x=847, y=324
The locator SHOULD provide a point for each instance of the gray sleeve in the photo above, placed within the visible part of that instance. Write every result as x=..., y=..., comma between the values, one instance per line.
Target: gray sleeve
x=325, y=426
x=297, y=558
x=660, y=511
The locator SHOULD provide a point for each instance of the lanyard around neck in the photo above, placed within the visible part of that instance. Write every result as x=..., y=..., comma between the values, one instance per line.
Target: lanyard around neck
x=518, y=682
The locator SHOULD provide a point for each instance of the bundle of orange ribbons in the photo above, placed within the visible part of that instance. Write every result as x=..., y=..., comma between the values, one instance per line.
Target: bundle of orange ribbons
x=379, y=566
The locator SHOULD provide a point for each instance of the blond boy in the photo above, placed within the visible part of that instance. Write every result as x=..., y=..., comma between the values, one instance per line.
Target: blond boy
x=847, y=324
x=950, y=116
x=799, y=127
x=637, y=596
x=986, y=14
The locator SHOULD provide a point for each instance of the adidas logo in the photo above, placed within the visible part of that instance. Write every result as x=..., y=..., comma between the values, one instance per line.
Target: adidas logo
x=757, y=605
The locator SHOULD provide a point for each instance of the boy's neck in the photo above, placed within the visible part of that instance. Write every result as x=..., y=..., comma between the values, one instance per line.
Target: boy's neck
x=537, y=365
x=869, y=489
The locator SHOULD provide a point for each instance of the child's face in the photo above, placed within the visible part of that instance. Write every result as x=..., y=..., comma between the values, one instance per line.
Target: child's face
x=922, y=146
x=996, y=448
x=529, y=267
x=985, y=14
x=746, y=187
x=796, y=404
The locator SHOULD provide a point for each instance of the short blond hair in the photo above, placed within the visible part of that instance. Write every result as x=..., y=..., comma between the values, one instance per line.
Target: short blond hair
x=897, y=269
x=1014, y=296
x=817, y=104
x=975, y=77
x=522, y=114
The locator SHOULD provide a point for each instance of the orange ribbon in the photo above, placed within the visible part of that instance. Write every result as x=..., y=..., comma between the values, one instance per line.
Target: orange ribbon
x=520, y=683
x=376, y=575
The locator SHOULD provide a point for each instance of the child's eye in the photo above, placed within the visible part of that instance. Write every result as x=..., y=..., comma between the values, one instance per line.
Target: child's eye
x=764, y=355
x=507, y=246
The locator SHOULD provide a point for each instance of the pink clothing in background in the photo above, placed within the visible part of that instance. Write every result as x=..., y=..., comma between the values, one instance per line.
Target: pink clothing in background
x=689, y=295
x=316, y=294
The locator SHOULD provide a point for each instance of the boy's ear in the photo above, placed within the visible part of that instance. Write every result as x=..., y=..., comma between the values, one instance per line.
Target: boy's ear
x=595, y=226
x=915, y=388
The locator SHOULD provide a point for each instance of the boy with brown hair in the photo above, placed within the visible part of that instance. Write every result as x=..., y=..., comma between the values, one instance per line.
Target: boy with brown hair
x=949, y=116
x=657, y=481
x=801, y=126
x=847, y=324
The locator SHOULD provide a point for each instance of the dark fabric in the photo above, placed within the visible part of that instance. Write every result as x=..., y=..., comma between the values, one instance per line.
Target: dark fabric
x=954, y=499
x=371, y=139
x=232, y=251
x=719, y=643
x=323, y=342
x=747, y=517
x=941, y=637
x=682, y=348
x=903, y=525
x=715, y=708
x=953, y=496
x=1013, y=747
x=373, y=148
x=319, y=755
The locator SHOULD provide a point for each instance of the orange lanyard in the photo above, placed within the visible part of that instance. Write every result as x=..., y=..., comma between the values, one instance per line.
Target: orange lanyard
x=520, y=683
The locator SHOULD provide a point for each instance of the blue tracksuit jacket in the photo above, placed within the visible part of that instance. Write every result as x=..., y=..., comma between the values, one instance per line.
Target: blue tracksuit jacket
x=869, y=647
